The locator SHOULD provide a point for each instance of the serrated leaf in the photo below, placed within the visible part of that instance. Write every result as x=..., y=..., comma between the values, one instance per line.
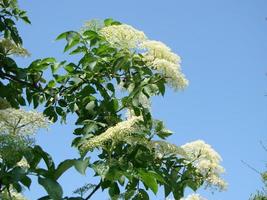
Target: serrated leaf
x=149, y=181
x=26, y=181
x=81, y=165
x=46, y=157
x=52, y=187
x=63, y=166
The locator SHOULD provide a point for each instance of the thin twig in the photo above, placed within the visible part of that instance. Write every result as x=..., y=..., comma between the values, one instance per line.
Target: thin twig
x=249, y=166
x=94, y=190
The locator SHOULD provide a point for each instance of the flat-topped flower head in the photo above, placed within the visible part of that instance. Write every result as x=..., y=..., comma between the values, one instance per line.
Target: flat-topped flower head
x=207, y=161
x=8, y=47
x=158, y=50
x=155, y=54
x=18, y=121
x=123, y=36
x=12, y=194
x=160, y=57
x=116, y=133
x=193, y=197
x=174, y=77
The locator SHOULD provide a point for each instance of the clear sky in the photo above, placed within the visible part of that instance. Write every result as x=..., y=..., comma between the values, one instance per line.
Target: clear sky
x=223, y=45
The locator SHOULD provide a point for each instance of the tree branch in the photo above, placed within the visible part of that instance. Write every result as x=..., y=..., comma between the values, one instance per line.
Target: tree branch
x=94, y=190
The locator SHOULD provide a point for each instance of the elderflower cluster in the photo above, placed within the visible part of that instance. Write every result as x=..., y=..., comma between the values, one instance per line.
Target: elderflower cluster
x=156, y=54
x=123, y=36
x=23, y=164
x=194, y=197
x=18, y=121
x=207, y=161
x=116, y=133
x=163, y=148
x=160, y=57
x=174, y=77
x=157, y=49
x=15, y=195
x=8, y=47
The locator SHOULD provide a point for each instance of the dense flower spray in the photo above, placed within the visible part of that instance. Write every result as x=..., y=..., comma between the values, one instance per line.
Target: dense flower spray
x=194, y=197
x=116, y=133
x=18, y=121
x=123, y=36
x=5, y=195
x=155, y=54
x=207, y=161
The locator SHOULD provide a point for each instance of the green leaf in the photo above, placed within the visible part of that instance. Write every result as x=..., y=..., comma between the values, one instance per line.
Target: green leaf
x=108, y=21
x=60, y=111
x=73, y=42
x=26, y=181
x=63, y=166
x=70, y=67
x=62, y=103
x=17, y=173
x=149, y=180
x=26, y=19
x=48, y=60
x=46, y=157
x=55, y=66
x=81, y=165
x=114, y=190
x=45, y=198
x=142, y=195
x=90, y=106
x=62, y=35
x=51, y=84
x=161, y=87
x=110, y=87
x=51, y=113
x=52, y=187
x=101, y=168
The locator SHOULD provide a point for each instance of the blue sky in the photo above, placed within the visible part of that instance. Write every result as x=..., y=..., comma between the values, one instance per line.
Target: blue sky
x=223, y=45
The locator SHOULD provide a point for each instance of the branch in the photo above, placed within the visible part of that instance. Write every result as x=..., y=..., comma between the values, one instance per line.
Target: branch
x=13, y=78
x=252, y=168
x=94, y=190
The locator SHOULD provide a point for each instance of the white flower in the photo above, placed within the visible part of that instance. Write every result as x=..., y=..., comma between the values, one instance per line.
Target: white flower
x=172, y=71
x=156, y=49
x=119, y=132
x=93, y=24
x=193, y=197
x=207, y=161
x=163, y=148
x=10, y=48
x=123, y=36
x=18, y=121
x=15, y=195
x=160, y=57
x=23, y=163
x=156, y=54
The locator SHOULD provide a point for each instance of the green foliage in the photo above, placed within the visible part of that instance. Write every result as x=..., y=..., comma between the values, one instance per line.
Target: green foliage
x=88, y=89
x=261, y=194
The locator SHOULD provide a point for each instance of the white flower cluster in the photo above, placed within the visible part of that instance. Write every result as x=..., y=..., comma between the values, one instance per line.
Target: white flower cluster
x=163, y=148
x=23, y=163
x=194, y=197
x=207, y=161
x=15, y=195
x=156, y=54
x=123, y=36
x=116, y=133
x=161, y=58
x=158, y=50
x=18, y=121
x=10, y=48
